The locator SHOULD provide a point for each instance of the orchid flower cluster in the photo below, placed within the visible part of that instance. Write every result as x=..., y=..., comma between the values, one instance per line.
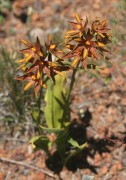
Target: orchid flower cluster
x=80, y=43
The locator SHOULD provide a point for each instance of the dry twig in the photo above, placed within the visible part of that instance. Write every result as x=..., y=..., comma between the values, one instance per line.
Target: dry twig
x=14, y=139
x=28, y=166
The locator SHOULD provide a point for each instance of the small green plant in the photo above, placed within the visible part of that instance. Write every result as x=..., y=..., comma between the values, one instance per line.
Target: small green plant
x=12, y=89
x=5, y=4
x=46, y=68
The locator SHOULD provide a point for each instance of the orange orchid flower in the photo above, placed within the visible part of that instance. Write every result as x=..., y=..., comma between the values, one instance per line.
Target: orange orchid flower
x=83, y=42
x=38, y=64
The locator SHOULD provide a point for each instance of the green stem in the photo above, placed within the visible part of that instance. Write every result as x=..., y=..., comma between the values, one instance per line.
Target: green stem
x=67, y=109
x=39, y=106
x=72, y=82
x=39, y=103
x=73, y=153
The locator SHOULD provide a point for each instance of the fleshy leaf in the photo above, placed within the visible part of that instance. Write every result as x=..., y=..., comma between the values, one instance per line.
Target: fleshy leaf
x=54, y=109
x=51, y=130
x=78, y=149
x=40, y=142
x=75, y=144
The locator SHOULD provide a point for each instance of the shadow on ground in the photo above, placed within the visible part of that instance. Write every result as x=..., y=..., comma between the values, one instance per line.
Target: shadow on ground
x=78, y=131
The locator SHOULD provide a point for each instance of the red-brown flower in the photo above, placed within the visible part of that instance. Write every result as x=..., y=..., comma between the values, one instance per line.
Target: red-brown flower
x=38, y=65
x=84, y=42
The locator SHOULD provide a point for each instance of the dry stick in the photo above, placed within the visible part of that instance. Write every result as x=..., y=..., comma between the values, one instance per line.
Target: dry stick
x=14, y=139
x=7, y=176
x=28, y=166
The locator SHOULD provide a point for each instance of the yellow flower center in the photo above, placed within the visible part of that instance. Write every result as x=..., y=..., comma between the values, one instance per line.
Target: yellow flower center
x=78, y=26
x=88, y=43
x=33, y=77
x=52, y=46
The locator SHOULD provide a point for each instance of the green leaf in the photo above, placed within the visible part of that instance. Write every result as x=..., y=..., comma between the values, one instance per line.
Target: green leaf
x=78, y=148
x=55, y=102
x=40, y=142
x=35, y=115
x=75, y=144
x=62, y=142
x=51, y=130
x=107, y=80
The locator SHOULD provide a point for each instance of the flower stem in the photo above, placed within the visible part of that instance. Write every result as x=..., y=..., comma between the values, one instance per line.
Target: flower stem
x=39, y=106
x=72, y=82
x=66, y=113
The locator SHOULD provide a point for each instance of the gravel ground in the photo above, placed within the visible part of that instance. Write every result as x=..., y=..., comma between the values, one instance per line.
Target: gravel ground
x=102, y=102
